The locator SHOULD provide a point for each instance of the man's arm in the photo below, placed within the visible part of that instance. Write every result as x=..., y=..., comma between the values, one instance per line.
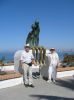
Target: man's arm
x=20, y=63
x=33, y=60
x=57, y=61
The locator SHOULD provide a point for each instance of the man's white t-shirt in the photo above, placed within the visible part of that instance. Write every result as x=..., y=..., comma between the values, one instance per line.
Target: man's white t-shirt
x=53, y=58
x=27, y=57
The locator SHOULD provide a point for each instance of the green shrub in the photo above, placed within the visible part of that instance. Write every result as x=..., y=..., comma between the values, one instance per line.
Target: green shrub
x=68, y=58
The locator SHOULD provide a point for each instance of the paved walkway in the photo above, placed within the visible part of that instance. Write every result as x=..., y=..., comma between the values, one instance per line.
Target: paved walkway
x=62, y=90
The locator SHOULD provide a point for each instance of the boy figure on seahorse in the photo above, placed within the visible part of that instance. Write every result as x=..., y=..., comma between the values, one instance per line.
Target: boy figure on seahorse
x=33, y=36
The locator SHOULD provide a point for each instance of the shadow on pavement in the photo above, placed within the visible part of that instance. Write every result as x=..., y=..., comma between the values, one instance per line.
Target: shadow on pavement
x=66, y=83
x=47, y=97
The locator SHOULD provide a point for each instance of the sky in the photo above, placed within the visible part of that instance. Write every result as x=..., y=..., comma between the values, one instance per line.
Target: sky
x=56, y=18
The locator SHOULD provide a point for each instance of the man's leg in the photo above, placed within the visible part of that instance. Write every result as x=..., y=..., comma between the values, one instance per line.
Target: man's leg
x=54, y=73
x=25, y=70
x=50, y=74
x=30, y=76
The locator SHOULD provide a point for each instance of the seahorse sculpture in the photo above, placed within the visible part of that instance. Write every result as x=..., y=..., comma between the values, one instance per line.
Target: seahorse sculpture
x=33, y=36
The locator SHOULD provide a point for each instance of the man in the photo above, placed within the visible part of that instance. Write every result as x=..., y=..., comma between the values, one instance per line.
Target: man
x=27, y=59
x=53, y=64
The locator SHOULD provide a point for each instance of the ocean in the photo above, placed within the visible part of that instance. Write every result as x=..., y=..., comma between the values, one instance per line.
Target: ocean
x=9, y=56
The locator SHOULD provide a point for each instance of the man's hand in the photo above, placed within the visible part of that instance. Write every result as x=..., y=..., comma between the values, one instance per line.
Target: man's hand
x=57, y=65
x=33, y=62
x=20, y=63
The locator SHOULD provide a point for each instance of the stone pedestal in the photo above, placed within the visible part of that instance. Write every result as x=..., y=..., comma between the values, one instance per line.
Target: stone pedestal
x=44, y=68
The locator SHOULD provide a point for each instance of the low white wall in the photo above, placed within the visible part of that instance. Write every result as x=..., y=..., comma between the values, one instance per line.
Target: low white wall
x=65, y=74
x=11, y=82
x=44, y=70
x=7, y=68
x=12, y=68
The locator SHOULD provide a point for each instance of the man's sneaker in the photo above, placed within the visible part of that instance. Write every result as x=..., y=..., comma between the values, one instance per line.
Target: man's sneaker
x=49, y=81
x=26, y=85
x=54, y=81
x=31, y=85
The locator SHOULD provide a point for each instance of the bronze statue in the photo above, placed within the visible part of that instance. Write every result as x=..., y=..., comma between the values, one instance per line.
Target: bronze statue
x=33, y=36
